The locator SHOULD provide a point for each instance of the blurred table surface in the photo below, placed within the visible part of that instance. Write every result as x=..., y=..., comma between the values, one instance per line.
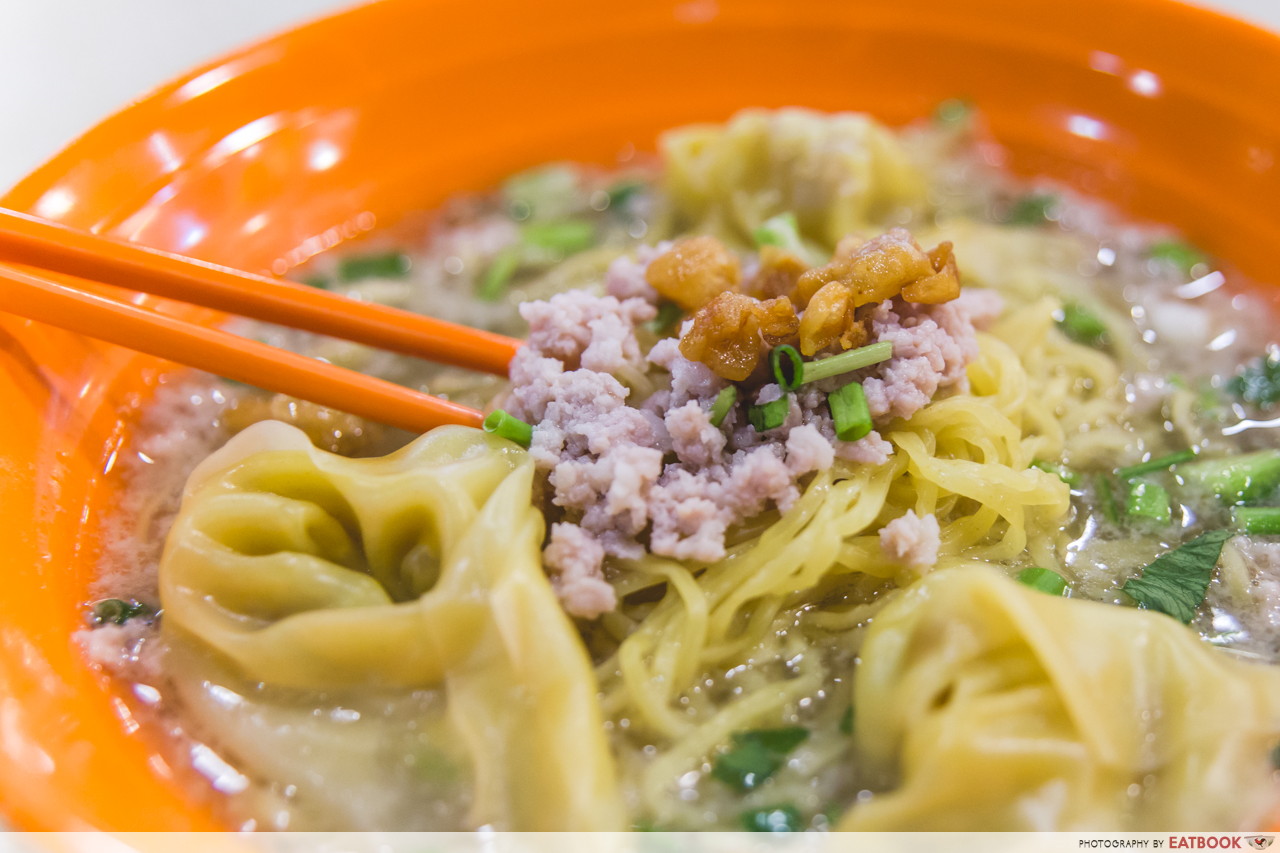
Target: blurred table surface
x=65, y=64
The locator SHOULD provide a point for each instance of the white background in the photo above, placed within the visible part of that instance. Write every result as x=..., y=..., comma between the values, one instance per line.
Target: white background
x=65, y=64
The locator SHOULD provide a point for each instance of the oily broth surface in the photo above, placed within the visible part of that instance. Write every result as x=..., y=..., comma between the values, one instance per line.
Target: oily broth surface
x=288, y=760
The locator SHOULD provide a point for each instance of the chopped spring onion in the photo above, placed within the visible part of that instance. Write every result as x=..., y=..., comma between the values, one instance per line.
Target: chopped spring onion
x=1257, y=520
x=846, y=362
x=498, y=276
x=783, y=818
x=547, y=192
x=1044, y=580
x=756, y=755
x=782, y=231
x=320, y=282
x=621, y=193
x=1246, y=478
x=1107, y=500
x=767, y=416
x=1275, y=756
x=850, y=412
x=1182, y=255
x=508, y=426
x=1159, y=463
x=787, y=366
x=115, y=611
x=952, y=112
x=1082, y=325
x=566, y=237
x=1148, y=501
x=1062, y=472
x=384, y=265
x=723, y=403
x=1032, y=209
x=846, y=721
x=669, y=314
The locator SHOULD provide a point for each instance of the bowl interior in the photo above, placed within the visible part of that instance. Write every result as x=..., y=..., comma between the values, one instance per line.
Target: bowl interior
x=309, y=139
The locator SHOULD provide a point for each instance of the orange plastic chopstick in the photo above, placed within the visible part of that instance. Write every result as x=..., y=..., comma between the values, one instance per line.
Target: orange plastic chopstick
x=227, y=355
x=48, y=245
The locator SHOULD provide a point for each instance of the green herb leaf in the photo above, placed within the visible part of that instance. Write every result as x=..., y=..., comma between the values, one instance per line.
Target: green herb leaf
x=1044, y=580
x=1176, y=582
x=116, y=611
x=756, y=755
x=846, y=721
x=1182, y=255
x=669, y=315
x=1258, y=383
x=621, y=193
x=320, y=282
x=1032, y=209
x=783, y=818
x=383, y=265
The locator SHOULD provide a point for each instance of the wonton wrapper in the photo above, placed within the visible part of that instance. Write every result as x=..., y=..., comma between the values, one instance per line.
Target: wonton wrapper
x=1000, y=707
x=839, y=174
x=418, y=569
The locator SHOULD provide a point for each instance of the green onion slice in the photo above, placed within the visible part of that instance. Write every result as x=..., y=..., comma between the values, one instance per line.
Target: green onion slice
x=847, y=362
x=382, y=265
x=767, y=416
x=1107, y=500
x=1044, y=580
x=1148, y=501
x=496, y=279
x=723, y=403
x=1083, y=326
x=782, y=231
x=1160, y=463
x=787, y=367
x=850, y=412
x=508, y=426
x=1062, y=472
x=566, y=237
x=1257, y=520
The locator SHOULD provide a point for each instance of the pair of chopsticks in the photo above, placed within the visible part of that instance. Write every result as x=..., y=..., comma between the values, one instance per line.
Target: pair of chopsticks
x=43, y=245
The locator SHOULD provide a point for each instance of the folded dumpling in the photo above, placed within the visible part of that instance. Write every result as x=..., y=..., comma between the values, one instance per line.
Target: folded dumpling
x=839, y=174
x=986, y=704
x=421, y=569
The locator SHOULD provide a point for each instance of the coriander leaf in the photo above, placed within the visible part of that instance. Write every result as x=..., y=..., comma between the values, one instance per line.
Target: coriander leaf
x=1176, y=582
x=1182, y=255
x=756, y=755
x=1258, y=383
x=846, y=721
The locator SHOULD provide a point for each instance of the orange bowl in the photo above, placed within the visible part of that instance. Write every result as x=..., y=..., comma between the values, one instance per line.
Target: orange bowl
x=305, y=140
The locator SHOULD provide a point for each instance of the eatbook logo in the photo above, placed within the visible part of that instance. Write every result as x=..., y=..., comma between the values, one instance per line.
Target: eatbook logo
x=1261, y=842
